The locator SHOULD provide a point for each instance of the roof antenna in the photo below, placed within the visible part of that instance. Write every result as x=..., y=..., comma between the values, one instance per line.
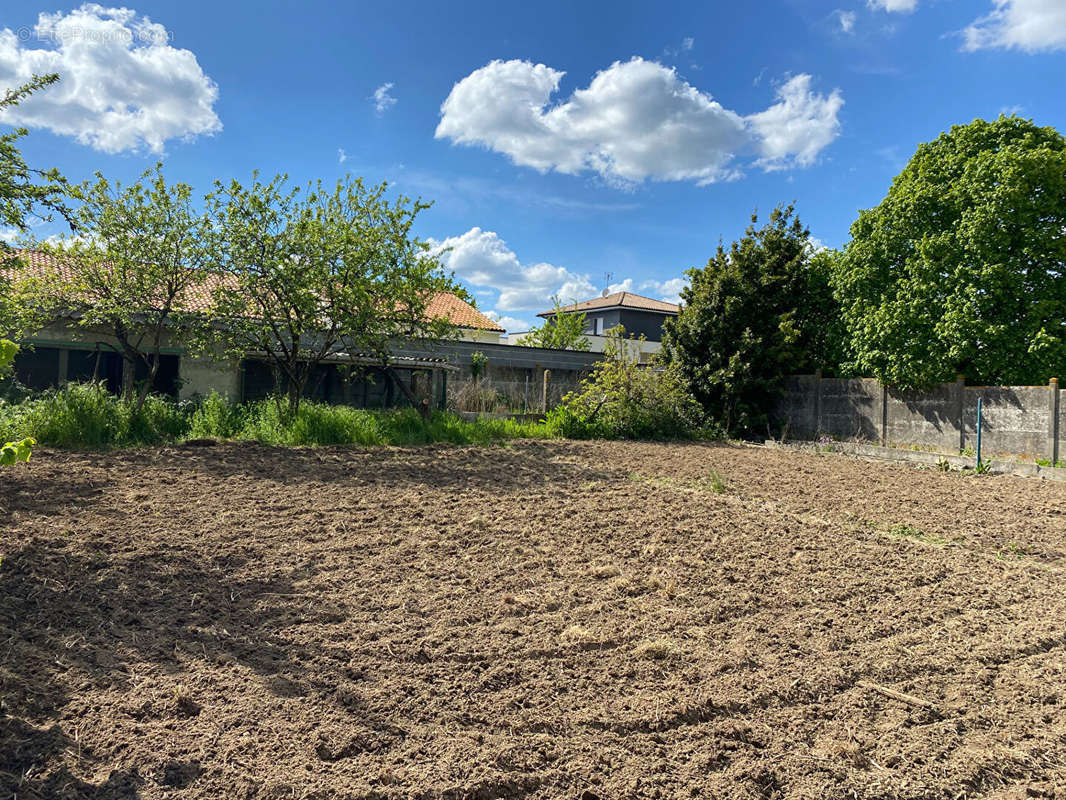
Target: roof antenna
x=606, y=283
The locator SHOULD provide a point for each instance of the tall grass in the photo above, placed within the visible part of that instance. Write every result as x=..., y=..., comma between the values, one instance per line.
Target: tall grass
x=321, y=424
x=86, y=415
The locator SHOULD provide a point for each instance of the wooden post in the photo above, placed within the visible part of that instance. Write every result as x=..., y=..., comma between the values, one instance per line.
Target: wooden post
x=1053, y=431
x=544, y=392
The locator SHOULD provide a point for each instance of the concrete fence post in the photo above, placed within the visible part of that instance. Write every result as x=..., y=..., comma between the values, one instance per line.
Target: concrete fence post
x=544, y=392
x=960, y=409
x=817, y=404
x=884, y=414
x=1053, y=432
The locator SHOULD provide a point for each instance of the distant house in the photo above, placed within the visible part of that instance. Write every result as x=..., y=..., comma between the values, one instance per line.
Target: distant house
x=640, y=316
x=63, y=352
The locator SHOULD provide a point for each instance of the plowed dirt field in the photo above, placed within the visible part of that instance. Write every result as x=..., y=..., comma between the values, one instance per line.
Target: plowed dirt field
x=543, y=620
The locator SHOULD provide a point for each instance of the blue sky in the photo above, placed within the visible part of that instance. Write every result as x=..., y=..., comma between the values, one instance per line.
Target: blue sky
x=561, y=142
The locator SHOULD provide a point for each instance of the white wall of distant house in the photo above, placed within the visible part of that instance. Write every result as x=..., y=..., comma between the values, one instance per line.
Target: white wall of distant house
x=597, y=344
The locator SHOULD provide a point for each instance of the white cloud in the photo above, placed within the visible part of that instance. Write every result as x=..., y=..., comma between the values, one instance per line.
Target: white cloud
x=636, y=120
x=669, y=290
x=482, y=258
x=799, y=126
x=846, y=20
x=893, y=5
x=383, y=101
x=510, y=324
x=1028, y=25
x=341, y=155
x=122, y=86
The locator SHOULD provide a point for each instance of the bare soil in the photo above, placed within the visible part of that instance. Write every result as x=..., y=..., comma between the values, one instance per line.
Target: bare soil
x=544, y=620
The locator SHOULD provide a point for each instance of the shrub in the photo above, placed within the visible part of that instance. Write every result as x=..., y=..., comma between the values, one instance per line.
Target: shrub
x=623, y=399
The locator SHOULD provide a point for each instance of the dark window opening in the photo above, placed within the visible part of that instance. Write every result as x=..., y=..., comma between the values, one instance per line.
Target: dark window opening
x=337, y=384
x=37, y=368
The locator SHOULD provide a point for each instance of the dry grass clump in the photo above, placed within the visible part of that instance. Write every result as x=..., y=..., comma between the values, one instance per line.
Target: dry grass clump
x=478, y=522
x=661, y=649
x=602, y=572
x=576, y=634
x=626, y=586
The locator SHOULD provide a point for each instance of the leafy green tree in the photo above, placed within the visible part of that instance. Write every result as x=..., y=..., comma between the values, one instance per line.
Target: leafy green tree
x=755, y=313
x=962, y=267
x=26, y=193
x=320, y=275
x=624, y=399
x=136, y=270
x=561, y=331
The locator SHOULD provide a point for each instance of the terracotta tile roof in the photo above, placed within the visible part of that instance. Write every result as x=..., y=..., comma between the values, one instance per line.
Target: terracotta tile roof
x=197, y=298
x=444, y=305
x=460, y=313
x=620, y=300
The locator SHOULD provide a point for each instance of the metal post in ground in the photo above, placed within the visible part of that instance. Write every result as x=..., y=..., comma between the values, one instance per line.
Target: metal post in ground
x=980, y=418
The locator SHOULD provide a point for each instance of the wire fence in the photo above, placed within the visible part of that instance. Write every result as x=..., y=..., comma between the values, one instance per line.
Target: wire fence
x=491, y=395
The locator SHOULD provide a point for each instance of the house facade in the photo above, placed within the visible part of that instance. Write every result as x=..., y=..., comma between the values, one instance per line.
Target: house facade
x=65, y=352
x=639, y=315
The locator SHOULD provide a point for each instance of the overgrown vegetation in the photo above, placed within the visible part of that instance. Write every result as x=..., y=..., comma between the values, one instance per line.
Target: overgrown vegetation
x=86, y=415
x=132, y=270
x=623, y=399
x=961, y=268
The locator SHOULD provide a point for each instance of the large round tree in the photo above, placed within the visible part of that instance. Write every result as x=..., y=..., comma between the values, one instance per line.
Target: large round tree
x=960, y=269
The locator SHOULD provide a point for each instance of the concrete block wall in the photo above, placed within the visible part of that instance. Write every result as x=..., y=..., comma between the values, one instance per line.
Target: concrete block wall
x=796, y=415
x=930, y=419
x=1015, y=420
x=851, y=409
x=1018, y=421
